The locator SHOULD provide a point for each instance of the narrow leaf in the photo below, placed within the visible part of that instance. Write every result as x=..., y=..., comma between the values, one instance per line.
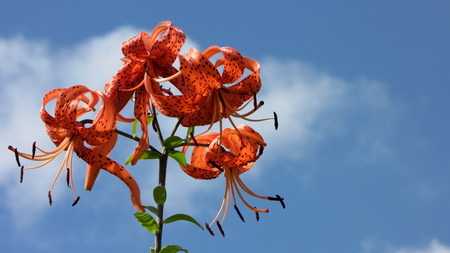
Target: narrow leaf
x=172, y=142
x=149, y=120
x=134, y=127
x=172, y=249
x=179, y=157
x=152, y=209
x=185, y=217
x=147, y=221
x=147, y=155
x=159, y=195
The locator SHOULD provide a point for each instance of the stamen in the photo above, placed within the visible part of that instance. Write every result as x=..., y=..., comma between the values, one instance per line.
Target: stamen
x=275, y=117
x=257, y=215
x=33, y=151
x=255, y=103
x=21, y=174
x=209, y=229
x=68, y=177
x=215, y=165
x=278, y=198
x=76, y=201
x=220, y=229
x=50, y=197
x=239, y=213
x=17, y=156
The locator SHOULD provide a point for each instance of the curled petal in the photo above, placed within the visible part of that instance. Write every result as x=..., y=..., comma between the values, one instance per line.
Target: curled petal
x=98, y=160
x=198, y=167
x=104, y=123
x=93, y=171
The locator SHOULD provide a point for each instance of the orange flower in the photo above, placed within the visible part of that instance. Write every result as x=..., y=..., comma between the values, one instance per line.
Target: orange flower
x=209, y=159
x=70, y=135
x=207, y=95
x=144, y=54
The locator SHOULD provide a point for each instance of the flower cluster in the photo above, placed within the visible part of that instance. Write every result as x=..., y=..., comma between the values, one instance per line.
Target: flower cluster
x=206, y=92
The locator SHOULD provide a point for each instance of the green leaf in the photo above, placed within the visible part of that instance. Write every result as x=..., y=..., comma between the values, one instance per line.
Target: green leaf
x=149, y=120
x=159, y=195
x=172, y=142
x=134, y=127
x=180, y=216
x=147, y=155
x=147, y=221
x=152, y=250
x=152, y=209
x=179, y=157
x=172, y=249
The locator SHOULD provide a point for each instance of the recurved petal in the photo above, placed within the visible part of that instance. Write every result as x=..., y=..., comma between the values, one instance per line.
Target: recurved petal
x=49, y=96
x=165, y=43
x=199, y=72
x=98, y=160
x=103, y=125
x=232, y=61
x=93, y=171
x=140, y=112
x=134, y=48
x=198, y=167
x=242, y=91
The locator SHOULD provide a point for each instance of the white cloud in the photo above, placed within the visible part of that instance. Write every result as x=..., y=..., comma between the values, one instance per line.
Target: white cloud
x=311, y=105
x=434, y=247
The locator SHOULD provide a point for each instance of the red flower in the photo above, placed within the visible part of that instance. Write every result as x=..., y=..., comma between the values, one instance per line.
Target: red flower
x=209, y=95
x=240, y=148
x=144, y=54
x=69, y=134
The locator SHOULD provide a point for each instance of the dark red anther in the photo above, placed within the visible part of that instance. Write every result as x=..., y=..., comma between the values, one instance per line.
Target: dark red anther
x=17, y=156
x=21, y=174
x=33, y=150
x=278, y=198
x=220, y=229
x=76, y=201
x=275, y=117
x=239, y=213
x=255, y=103
x=68, y=177
x=209, y=229
x=50, y=197
x=257, y=215
x=281, y=201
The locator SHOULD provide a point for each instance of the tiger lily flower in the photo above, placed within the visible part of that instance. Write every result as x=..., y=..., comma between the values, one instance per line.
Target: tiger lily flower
x=208, y=95
x=70, y=135
x=238, y=151
x=144, y=53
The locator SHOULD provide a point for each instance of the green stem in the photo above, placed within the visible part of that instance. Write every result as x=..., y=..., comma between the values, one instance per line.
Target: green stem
x=160, y=208
x=161, y=182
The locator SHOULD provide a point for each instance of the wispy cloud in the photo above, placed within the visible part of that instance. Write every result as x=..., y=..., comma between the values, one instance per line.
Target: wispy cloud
x=433, y=246
x=311, y=104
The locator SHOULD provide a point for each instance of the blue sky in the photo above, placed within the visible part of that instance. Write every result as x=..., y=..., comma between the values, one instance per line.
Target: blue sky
x=361, y=154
